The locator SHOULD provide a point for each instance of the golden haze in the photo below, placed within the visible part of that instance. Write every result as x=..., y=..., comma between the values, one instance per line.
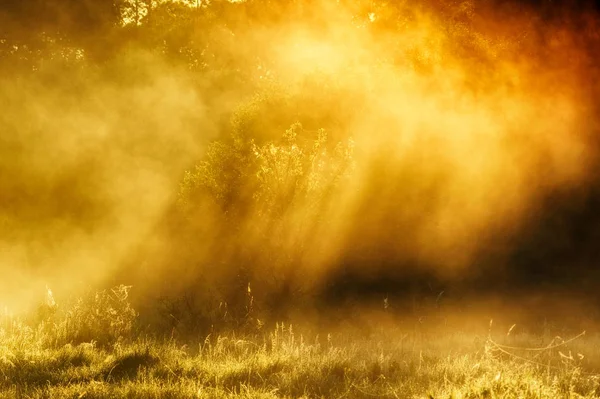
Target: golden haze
x=461, y=121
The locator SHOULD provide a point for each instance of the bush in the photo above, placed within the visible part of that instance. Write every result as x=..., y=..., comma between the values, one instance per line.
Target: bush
x=248, y=195
x=102, y=317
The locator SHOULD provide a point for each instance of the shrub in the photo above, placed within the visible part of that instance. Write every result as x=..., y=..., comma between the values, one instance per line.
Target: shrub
x=248, y=195
x=103, y=317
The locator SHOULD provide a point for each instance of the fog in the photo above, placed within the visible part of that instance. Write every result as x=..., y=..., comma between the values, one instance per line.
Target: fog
x=305, y=150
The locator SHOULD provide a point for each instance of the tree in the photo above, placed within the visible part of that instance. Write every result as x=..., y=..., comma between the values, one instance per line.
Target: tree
x=263, y=201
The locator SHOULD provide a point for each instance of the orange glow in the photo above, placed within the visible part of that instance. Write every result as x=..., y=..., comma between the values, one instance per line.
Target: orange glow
x=454, y=119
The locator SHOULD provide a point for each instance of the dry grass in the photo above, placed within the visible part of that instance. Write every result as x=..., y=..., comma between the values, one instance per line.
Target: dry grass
x=388, y=362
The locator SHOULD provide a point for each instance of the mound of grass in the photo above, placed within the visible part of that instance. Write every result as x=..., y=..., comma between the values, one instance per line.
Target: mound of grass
x=127, y=365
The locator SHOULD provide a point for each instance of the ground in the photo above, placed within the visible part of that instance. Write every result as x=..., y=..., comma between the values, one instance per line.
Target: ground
x=390, y=361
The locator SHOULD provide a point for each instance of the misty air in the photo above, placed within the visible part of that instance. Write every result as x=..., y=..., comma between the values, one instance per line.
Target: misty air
x=299, y=199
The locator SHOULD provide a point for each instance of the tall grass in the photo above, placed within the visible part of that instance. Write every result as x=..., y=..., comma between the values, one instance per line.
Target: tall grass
x=46, y=356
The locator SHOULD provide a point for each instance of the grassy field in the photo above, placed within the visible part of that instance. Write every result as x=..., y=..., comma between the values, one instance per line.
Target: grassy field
x=55, y=355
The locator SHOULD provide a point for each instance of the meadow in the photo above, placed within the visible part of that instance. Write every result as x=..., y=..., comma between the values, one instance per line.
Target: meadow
x=310, y=198
x=96, y=348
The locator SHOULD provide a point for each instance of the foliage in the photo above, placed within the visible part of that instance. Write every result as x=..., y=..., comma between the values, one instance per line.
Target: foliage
x=289, y=173
x=103, y=317
x=261, y=194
